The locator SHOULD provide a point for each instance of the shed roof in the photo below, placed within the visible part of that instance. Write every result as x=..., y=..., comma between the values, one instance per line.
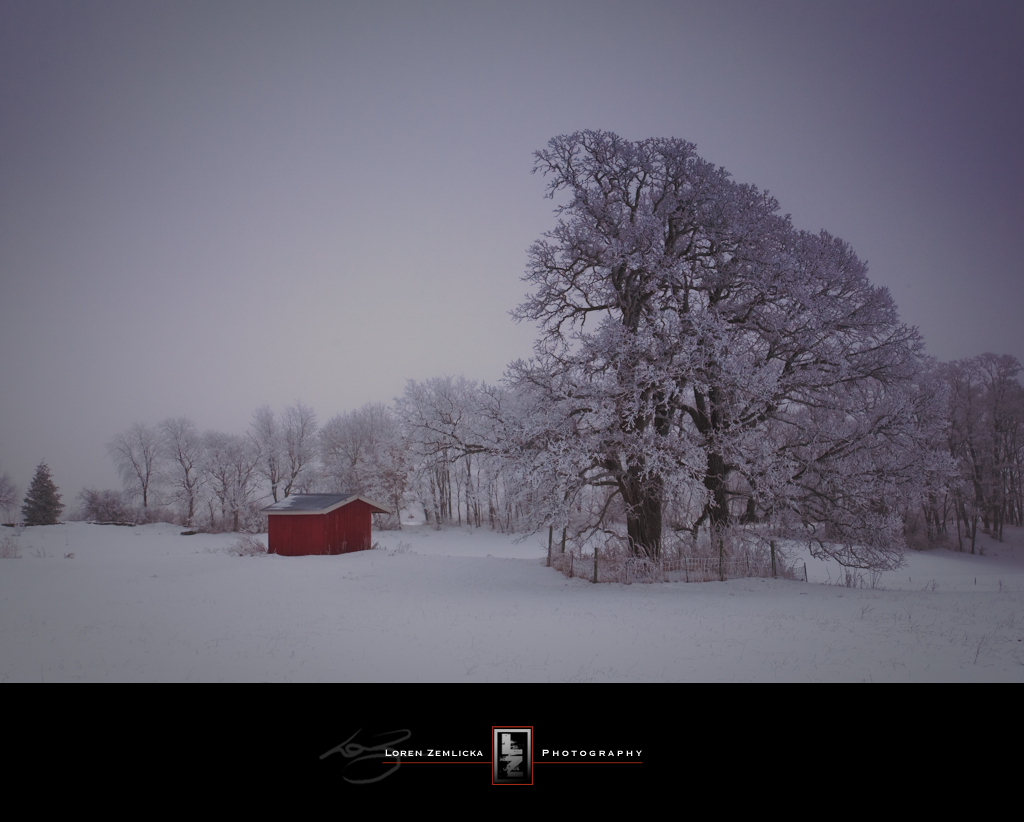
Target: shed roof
x=320, y=504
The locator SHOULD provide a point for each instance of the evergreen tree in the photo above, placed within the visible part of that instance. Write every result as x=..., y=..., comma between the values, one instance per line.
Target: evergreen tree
x=42, y=503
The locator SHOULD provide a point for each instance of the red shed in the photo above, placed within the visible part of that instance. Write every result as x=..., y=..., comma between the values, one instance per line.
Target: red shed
x=320, y=524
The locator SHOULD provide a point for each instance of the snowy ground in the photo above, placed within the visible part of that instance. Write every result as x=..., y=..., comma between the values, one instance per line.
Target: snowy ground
x=147, y=604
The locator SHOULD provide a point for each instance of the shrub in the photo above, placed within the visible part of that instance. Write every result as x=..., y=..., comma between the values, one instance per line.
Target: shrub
x=104, y=506
x=247, y=545
x=9, y=548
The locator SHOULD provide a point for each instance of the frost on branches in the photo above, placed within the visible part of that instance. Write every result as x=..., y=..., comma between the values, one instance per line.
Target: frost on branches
x=695, y=346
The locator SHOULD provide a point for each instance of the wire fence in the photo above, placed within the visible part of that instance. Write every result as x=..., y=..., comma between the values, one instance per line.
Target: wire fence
x=986, y=584
x=614, y=566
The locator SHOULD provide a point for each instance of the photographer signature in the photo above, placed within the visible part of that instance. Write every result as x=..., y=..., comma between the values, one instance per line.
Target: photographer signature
x=368, y=753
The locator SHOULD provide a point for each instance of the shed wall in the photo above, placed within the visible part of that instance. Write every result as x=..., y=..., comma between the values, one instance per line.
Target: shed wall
x=348, y=528
x=294, y=536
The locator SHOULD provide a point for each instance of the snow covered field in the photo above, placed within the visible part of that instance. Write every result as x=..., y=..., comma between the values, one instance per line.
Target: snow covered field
x=147, y=604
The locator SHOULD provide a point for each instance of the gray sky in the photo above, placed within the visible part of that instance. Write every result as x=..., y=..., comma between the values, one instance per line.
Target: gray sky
x=209, y=206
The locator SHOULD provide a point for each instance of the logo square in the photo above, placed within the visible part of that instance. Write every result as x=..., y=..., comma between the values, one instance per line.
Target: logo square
x=512, y=755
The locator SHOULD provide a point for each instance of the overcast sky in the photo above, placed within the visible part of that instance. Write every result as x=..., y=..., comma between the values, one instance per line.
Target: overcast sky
x=209, y=206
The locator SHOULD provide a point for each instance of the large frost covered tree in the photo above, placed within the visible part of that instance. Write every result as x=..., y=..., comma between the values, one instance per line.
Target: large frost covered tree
x=694, y=344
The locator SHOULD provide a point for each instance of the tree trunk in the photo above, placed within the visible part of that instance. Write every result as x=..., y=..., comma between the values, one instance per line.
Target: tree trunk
x=643, y=514
x=714, y=481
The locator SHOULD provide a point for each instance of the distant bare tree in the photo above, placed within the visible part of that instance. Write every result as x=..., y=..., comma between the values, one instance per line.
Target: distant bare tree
x=8, y=493
x=135, y=452
x=345, y=441
x=182, y=447
x=274, y=460
x=299, y=425
x=440, y=418
x=364, y=451
x=231, y=462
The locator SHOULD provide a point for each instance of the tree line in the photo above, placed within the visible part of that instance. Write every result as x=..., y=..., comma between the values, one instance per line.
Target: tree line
x=469, y=453
x=430, y=450
x=983, y=435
